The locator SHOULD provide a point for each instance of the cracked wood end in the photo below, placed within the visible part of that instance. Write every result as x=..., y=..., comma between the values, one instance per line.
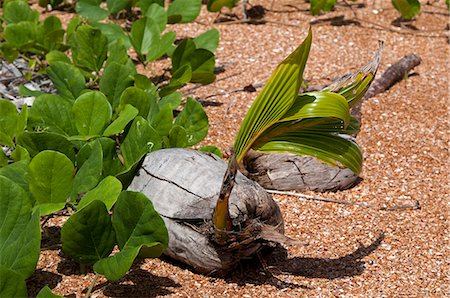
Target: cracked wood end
x=293, y=172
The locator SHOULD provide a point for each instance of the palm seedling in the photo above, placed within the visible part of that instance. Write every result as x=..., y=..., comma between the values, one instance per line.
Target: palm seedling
x=315, y=123
x=212, y=231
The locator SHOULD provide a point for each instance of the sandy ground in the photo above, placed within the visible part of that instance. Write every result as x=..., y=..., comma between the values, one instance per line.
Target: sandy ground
x=353, y=251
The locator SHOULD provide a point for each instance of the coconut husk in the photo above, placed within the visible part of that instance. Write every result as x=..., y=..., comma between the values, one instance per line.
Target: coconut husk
x=285, y=171
x=184, y=185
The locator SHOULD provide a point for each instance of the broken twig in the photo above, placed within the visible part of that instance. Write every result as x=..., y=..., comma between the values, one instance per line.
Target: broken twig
x=414, y=206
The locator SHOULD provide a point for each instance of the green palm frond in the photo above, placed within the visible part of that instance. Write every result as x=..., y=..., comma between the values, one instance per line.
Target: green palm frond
x=318, y=104
x=314, y=123
x=327, y=147
x=354, y=86
x=275, y=99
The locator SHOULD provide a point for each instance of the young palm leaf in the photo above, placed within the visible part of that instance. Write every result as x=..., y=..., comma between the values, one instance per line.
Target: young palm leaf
x=317, y=122
x=311, y=127
x=272, y=103
x=354, y=86
x=275, y=99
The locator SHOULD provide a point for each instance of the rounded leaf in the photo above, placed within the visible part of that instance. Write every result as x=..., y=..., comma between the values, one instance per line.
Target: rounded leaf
x=88, y=236
x=92, y=113
x=51, y=179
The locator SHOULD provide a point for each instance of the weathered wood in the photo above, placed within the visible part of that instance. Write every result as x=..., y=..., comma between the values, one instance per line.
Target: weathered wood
x=184, y=186
x=293, y=172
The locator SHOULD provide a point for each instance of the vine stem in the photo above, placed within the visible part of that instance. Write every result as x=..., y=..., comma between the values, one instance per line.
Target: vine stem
x=91, y=286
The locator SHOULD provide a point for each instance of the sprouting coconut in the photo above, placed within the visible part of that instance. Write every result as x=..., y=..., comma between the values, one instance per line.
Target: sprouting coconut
x=216, y=219
x=317, y=149
x=184, y=186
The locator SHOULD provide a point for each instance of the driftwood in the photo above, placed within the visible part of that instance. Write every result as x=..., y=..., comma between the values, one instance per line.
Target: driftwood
x=184, y=186
x=300, y=173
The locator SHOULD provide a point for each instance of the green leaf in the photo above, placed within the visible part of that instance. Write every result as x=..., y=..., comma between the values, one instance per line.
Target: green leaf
x=144, y=83
x=216, y=5
x=179, y=78
x=112, y=163
x=8, y=52
x=22, y=120
x=208, y=40
x=173, y=100
x=163, y=121
x=318, y=104
x=144, y=33
x=68, y=80
x=91, y=10
x=321, y=5
x=201, y=61
x=20, y=153
x=211, y=149
x=54, y=114
x=193, y=118
x=12, y=284
x=138, y=228
x=54, y=56
x=202, y=64
x=274, y=100
x=113, y=33
x=145, y=4
x=116, y=266
x=35, y=142
x=137, y=223
x=354, y=86
x=107, y=191
x=178, y=137
x=329, y=148
x=73, y=25
x=92, y=113
x=140, y=140
x=19, y=11
x=88, y=236
x=21, y=34
x=8, y=122
x=182, y=53
x=114, y=6
x=46, y=292
x=89, y=174
x=51, y=179
x=17, y=172
x=158, y=14
x=50, y=34
x=407, y=8
x=25, y=92
x=161, y=47
x=117, y=53
x=20, y=234
x=126, y=115
x=89, y=48
x=115, y=79
x=137, y=98
x=146, y=39
x=183, y=11
x=3, y=159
